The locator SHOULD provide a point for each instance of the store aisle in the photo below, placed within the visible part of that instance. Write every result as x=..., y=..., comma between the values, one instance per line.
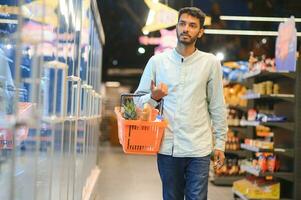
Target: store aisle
x=132, y=177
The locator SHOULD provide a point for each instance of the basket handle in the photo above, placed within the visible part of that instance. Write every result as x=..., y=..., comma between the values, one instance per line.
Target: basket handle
x=124, y=95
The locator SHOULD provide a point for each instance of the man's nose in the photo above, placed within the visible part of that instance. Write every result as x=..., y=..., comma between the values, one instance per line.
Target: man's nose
x=185, y=29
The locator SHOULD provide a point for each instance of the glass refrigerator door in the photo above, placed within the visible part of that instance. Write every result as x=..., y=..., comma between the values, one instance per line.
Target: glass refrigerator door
x=50, y=69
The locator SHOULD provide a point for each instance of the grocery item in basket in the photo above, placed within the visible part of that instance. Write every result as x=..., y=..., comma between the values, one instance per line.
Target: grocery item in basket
x=129, y=109
x=146, y=113
x=159, y=118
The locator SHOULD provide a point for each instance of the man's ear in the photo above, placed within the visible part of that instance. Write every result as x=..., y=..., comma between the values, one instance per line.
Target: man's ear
x=201, y=32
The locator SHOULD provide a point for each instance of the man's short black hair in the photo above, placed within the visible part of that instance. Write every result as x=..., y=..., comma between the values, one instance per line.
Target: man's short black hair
x=195, y=12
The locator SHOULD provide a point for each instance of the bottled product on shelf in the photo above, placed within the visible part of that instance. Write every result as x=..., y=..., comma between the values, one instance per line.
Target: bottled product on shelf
x=232, y=143
x=231, y=168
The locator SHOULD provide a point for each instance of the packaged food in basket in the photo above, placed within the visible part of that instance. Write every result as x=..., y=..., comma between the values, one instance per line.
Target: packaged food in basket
x=146, y=114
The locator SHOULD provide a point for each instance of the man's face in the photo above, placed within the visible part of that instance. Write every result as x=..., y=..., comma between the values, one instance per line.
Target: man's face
x=188, y=29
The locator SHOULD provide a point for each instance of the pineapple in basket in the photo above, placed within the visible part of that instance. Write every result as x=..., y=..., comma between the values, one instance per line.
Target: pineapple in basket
x=129, y=110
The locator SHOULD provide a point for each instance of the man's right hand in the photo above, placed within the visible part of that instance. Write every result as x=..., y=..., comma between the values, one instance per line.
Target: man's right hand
x=158, y=92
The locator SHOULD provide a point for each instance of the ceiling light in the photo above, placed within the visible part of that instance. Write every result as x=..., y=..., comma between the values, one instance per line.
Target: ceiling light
x=145, y=32
x=258, y=19
x=9, y=46
x=141, y=50
x=150, y=17
x=264, y=41
x=243, y=32
x=115, y=62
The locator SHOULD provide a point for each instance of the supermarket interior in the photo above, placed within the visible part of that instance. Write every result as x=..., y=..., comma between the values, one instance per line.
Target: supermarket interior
x=70, y=124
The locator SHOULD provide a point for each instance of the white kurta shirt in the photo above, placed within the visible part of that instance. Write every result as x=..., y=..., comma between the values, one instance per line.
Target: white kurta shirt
x=194, y=104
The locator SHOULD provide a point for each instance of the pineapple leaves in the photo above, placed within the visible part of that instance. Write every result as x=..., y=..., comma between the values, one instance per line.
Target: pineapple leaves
x=129, y=109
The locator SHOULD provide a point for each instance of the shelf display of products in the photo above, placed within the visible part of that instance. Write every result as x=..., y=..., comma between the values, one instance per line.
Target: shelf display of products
x=232, y=143
x=233, y=71
x=231, y=168
x=233, y=95
x=233, y=90
x=50, y=106
x=264, y=162
x=260, y=144
x=264, y=131
x=235, y=116
x=256, y=188
x=270, y=123
x=266, y=87
x=261, y=63
x=231, y=171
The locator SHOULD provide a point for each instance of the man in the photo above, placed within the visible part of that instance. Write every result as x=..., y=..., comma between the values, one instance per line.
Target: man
x=190, y=82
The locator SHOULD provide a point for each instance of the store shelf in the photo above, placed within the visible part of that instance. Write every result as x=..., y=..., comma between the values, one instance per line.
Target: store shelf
x=241, y=108
x=271, y=97
x=280, y=151
x=252, y=170
x=285, y=152
x=264, y=75
x=254, y=149
x=240, y=195
x=226, y=180
x=229, y=83
x=284, y=125
x=239, y=153
x=238, y=128
x=245, y=123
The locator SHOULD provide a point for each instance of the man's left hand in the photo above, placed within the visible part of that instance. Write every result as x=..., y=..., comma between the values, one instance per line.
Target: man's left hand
x=219, y=159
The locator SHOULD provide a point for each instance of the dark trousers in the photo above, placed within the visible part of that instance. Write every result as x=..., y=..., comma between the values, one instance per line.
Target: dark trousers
x=184, y=177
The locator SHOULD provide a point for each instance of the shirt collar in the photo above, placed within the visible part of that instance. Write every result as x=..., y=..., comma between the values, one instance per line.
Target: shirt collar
x=181, y=59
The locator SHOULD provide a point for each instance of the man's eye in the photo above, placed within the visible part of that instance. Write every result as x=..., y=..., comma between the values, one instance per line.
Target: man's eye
x=192, y=25
x=182, y=23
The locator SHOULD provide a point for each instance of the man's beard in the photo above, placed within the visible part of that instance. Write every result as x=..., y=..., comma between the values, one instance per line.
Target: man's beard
x=186, y=42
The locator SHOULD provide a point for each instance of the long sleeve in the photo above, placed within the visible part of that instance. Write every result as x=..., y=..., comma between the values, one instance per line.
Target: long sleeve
x=145, y=84
x=217, y=107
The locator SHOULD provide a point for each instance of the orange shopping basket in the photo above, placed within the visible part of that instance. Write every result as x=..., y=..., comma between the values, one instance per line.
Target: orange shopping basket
x=139, y=137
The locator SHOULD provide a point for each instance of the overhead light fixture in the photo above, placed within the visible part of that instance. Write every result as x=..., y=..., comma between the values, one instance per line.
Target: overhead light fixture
x=257, y=19
x=264, y=41
x=243, y=32
x=151, y=15
x=145, y=32
x=9, y=46
x=161, y=16
x=141, y=50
